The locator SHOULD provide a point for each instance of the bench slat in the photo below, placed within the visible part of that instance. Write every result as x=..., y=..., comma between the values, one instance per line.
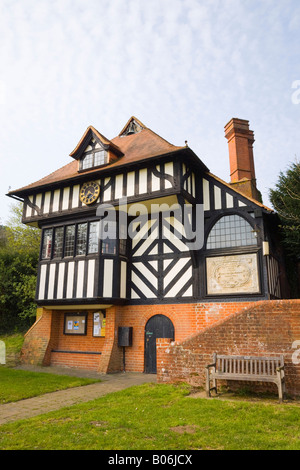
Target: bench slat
x=263, y=358
x=245, y=377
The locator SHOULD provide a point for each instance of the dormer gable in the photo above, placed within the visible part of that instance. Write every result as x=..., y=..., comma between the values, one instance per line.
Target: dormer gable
x=133, y=126
x=94, y=150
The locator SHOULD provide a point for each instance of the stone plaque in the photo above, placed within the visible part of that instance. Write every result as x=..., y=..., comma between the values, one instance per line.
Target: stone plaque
x=236, y=274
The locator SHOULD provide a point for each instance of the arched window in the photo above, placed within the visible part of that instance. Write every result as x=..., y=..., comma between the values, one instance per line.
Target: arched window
x=231, y=231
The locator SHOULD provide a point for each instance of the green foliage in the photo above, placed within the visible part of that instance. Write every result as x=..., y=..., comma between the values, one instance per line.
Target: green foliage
x=13, y=343
x=286, y=201
x=21, y=237
x=3, y=236
x=19, y=250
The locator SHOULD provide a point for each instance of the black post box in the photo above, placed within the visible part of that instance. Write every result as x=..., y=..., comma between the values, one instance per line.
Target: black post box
x=124, y=339
x=125, y=336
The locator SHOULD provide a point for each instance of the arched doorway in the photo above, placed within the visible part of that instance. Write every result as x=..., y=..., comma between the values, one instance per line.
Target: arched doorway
x=158, y=326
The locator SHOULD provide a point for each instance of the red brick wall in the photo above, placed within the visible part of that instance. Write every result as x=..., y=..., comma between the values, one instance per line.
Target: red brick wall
x=111, y=354
x=47, y=334
x=200, y=329
x=264, y=328
x=108, y=361
x=76, y=343
x=37, y=340
x=186, y=318
x=183, y=317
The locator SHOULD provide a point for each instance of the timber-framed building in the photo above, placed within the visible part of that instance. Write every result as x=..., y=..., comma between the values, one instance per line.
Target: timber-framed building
x=97, y=295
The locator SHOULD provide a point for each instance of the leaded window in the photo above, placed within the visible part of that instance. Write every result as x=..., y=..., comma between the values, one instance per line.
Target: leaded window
x=87, y=161
x=97, y=157
x=70, y=240
x=81, y=239
x=100, y=158
x=109, y=237
x=93, y=237
x=58, y=242
x=231, y=231
x=47, y=243
x=123, y=239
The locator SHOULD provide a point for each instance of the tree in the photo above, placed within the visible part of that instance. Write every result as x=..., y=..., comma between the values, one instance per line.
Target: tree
x=19, y=251
x=286, y=201
x=3, y=236
x=21, y=237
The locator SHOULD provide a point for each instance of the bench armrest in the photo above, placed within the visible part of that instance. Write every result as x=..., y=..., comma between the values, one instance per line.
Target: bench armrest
x=211, y=365
x=279, y=368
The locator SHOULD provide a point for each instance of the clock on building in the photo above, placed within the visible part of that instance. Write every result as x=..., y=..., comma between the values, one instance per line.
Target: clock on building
x=89, y=192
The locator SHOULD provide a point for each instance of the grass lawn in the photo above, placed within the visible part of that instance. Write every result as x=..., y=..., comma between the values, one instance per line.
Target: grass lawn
x=19, y=384
x=159, y=417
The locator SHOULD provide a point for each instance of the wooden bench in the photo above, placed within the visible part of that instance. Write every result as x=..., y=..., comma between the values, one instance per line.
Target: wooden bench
x=254, y=369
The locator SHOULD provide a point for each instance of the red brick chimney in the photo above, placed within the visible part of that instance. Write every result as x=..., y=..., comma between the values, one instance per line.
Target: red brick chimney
x=242, y=171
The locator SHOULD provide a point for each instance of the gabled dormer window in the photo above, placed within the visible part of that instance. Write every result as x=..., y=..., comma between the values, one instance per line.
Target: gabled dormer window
x=94, y=150
x=93, y=156
x=90, y=160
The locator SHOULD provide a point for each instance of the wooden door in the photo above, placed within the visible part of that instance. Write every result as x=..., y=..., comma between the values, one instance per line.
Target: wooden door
x=158, y=326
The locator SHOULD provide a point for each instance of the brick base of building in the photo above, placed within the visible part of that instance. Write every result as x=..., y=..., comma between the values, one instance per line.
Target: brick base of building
x=47, y=334
x=258, y=328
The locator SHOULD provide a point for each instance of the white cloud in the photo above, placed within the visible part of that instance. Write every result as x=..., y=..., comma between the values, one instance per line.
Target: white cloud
x=184, y=67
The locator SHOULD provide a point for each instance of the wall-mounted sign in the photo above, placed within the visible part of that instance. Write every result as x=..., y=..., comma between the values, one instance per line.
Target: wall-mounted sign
x=75, y=324
x=236, y=274
x=99, y=324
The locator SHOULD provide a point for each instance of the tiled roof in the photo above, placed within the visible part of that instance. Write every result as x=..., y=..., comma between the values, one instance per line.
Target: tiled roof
x=135, y=148
x=144, y=145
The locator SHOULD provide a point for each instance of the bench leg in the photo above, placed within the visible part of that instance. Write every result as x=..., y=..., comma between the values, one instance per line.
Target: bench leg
x=280, y=392
x=281, y=387
x=207, y=383
x=214, y=384
x=208, y=387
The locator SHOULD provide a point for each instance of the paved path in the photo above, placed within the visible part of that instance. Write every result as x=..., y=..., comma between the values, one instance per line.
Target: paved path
x=53, y=401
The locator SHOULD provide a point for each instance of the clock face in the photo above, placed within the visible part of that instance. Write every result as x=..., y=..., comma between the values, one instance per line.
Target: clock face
x=89, y=192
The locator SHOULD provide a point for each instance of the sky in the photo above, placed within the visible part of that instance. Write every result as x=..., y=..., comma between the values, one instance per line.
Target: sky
x=182, y=67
